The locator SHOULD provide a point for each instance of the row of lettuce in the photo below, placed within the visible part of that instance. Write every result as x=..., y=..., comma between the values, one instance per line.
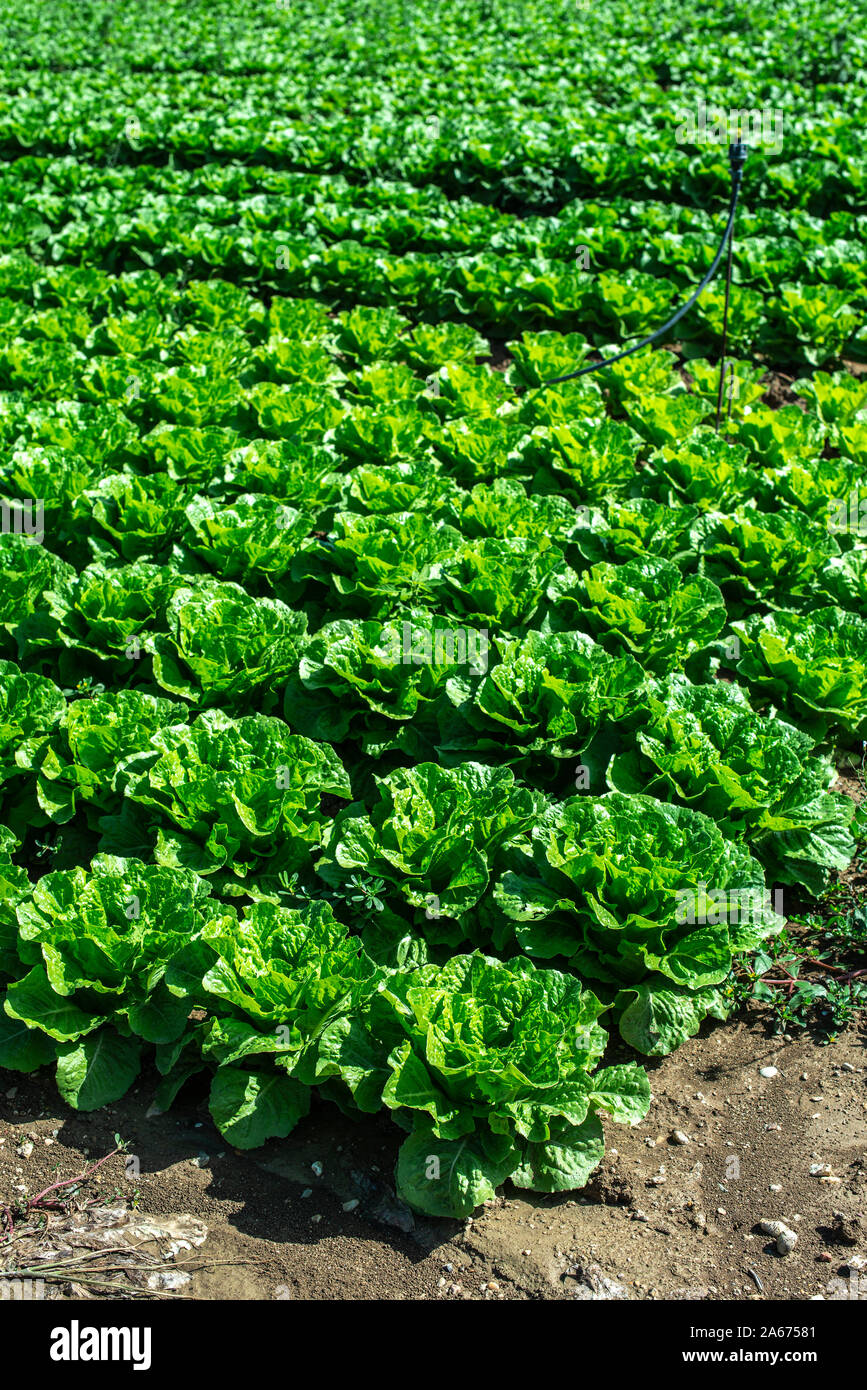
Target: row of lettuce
x=51, y=201
x=208, y=354
x=817, y=313
x=493, y=556
x=241, y=797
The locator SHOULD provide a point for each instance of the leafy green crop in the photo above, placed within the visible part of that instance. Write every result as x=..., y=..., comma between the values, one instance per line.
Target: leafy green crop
x=814, y=665
x=547, y=695
x=493, y=1070
x=241, y=796
x=348, y=669
x=112, y=958
x=433, y=838
x=644, y=607
x=635, y=893
x=705, y=747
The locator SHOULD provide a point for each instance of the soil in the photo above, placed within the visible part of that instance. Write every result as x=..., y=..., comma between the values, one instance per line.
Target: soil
x=664, y=1219
x=779, y=391
x=499, y=359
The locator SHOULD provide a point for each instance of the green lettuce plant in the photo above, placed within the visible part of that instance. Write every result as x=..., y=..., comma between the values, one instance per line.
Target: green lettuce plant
x=541, y=703
x=253, y=540
x=589, y=459
x=375, y=564
x=239, y=796
x=645, y=607
x=32, y=708
x=705, y=471
x=433, y=838
x=492, y=1068
x=635, y=893
x=813, y=665
x=285, y=994
x=775, y=559
x=382, y=683
x=115, y=960
x=220, y=644
x=760, y=779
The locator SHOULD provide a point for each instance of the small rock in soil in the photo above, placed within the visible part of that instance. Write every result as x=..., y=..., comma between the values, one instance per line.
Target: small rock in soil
x=773, y=1228
x=591, y=1284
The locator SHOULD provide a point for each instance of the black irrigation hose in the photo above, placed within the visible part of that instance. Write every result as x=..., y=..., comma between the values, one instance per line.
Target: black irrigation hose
x=737, y=160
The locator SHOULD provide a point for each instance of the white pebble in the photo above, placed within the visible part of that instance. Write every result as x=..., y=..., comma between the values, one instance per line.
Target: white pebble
x=773, y=1228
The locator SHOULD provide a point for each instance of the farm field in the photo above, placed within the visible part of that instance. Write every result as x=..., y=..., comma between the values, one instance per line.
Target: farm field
x=402, y=757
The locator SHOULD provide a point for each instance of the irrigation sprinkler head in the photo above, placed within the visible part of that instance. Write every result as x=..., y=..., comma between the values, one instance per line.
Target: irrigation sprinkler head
x=738, y=156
